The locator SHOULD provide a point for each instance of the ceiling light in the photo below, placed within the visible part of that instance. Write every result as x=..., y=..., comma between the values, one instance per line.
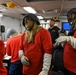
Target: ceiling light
x=40, y=17
x=30, y=10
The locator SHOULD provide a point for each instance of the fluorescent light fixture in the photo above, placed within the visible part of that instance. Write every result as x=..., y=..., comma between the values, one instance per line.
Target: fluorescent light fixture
x=30, y=10
x=1, y=14
x=40, y=17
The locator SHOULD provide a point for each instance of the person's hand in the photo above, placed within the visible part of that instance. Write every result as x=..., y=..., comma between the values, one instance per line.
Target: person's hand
x=25, y=60
x=43, y=73
x=54, y=45
x=61, y=39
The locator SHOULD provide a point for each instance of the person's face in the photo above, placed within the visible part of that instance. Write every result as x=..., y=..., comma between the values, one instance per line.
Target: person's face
x=73, y=25
x=28, y=22
x=52, y=23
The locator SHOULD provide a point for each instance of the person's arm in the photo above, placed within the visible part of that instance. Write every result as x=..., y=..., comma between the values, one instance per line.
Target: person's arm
x=2, y=50
x=46, y=64
x=72, y=41
x=8, y=49
x=47, y=46
x=69, y=39
x=23, y=58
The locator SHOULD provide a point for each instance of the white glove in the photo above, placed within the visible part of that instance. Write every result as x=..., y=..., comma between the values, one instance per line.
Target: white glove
x=43, y=73
x=62, y=39
x=24, y=59
x=69, y=39
x=46, y=64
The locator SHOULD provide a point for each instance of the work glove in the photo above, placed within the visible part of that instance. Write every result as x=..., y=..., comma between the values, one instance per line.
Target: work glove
x=24, y=59
x=43, y=73
x=70, y=39
x=62, y=39
x=46, y=64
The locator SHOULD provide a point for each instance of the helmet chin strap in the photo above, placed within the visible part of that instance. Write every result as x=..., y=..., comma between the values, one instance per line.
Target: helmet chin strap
x=30, y=28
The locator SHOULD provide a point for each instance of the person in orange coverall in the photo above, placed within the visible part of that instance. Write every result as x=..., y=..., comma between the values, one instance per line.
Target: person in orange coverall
x=35, y=47
x=70, y=45
x=12, y=48
x=3, y=70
